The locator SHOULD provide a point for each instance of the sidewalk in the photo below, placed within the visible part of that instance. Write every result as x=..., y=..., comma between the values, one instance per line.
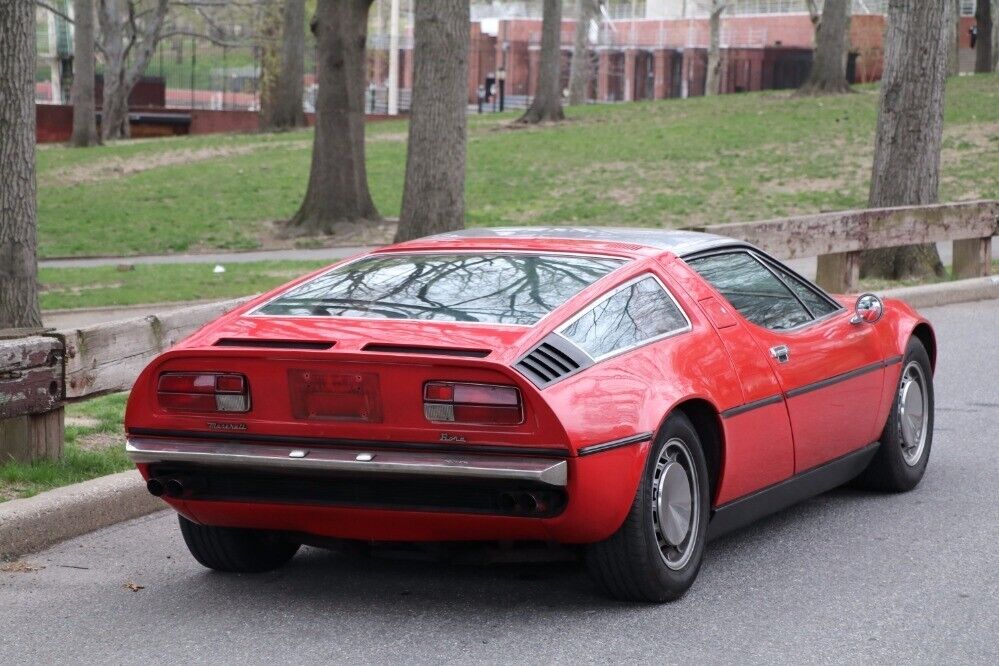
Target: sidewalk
x=331, y=253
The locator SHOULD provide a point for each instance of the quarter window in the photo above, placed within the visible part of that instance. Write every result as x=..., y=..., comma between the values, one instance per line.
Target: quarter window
x=818, y=304
x=752, y=290
x=635, y=313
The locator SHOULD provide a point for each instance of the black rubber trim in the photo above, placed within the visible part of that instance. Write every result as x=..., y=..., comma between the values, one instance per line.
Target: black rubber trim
x=892, y=360
x=749, y=406
x=430, y=351
x=741, y=512
x=807, y=388
x=374, y=445
x=274, y=344
x=614, y=444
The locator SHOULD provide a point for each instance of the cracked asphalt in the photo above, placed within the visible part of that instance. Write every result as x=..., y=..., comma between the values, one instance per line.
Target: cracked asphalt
x=848, y=577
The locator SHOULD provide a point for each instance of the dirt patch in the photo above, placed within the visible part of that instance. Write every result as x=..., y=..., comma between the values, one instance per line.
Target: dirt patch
x=119, y=167
x=82, y=421
x=274, y=236
x=99, y=441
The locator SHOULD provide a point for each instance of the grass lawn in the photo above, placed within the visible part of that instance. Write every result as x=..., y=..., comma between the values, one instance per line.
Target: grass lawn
x=95, y=446
x=664, y=163
x=108, y=286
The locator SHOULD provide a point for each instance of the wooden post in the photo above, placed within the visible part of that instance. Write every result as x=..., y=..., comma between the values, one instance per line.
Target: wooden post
x=31, y=393
x=838, y=273
x=972, y=257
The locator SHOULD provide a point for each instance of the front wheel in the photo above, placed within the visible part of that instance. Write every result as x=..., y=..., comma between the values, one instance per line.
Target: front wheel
x=235, y=550
x=900, y=461
x=656, y=553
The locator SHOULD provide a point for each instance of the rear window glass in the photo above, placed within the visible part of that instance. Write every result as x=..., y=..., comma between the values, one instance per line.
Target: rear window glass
x=493, y=288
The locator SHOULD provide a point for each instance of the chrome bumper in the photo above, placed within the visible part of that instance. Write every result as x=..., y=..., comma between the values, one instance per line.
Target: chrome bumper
x=552, y=472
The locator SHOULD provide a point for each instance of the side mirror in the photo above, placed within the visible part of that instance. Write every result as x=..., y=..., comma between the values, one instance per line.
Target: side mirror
x=869, y=309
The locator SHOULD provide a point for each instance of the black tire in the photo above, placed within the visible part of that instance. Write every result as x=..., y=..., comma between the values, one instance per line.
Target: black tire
x=235, y=550
x=630, y=565
x=889, y=470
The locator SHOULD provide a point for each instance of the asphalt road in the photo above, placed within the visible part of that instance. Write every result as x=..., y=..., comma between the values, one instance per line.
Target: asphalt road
x=847, y=577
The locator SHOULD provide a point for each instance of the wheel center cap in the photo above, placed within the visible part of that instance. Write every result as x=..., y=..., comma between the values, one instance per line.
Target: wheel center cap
x=912, y=413
x=674, y=503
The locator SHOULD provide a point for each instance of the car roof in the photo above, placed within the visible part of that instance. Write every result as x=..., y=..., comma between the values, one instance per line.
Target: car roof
x=678, y=241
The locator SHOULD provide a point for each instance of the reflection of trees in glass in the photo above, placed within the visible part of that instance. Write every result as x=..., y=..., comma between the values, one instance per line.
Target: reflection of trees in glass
x=632, y=315
x=752, y=290
x=497, y=288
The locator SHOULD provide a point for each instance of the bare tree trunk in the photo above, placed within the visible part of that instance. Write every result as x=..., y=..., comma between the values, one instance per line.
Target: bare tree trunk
x=269, y=38
x=129, y=36
x=581, y=69
x=832, y=39
x=547, y=103
x=995, y=35
x=281, y=96
x=338, y=180
x=954, y=47
x=18, y=242
x=82, y=93
x=983, y=47
x=910, y=126
x=433, y=199
x=714, y=50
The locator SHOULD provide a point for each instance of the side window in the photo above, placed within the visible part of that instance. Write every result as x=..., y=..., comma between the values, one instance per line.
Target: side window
x=813, y=300
x=635, y=313
x=752, y=290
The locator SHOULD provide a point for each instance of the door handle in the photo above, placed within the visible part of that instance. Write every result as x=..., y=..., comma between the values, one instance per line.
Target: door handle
x=781, y=353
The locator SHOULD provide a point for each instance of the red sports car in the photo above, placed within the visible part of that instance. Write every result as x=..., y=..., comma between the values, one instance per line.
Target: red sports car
x=636, y=392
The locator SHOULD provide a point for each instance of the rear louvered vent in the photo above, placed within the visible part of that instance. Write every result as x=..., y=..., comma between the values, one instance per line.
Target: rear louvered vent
x=552, y=360
x=272, y=344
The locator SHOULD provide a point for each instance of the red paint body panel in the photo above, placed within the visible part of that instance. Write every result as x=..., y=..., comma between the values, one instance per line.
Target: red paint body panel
x=722, y=362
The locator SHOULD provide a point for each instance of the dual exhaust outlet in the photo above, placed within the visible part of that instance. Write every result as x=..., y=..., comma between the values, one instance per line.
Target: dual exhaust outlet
x=169, y=487
x=523, y=502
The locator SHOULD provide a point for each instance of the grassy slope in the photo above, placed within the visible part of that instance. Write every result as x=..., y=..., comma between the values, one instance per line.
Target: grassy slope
x=672, y=162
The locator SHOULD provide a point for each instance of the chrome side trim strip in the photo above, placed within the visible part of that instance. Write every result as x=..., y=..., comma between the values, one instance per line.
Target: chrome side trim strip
x=614, y=444
x=357, y=461
x=749, y=406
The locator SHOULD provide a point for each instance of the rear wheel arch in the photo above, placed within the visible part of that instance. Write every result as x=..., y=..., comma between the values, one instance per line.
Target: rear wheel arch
x=924, y=333
x=707, y=422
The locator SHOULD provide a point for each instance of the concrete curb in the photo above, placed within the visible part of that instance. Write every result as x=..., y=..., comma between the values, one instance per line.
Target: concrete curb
x=946, y=293
x=35, y=523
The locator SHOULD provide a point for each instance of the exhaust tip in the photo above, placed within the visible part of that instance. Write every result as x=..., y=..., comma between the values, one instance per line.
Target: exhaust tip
x=155, y=487
x=507, y=502
x=527, y=503
x=174, y=488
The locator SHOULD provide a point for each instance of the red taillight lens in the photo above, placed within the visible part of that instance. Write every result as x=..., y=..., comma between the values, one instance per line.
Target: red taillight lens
x=203, y=392
x=484, y=404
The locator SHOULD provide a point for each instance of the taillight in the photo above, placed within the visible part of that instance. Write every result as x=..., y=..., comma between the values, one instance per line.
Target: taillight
x=203, y=392
x=484, y=404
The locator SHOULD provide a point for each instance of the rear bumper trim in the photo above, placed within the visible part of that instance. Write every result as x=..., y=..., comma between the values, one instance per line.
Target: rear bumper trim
x=359, y=461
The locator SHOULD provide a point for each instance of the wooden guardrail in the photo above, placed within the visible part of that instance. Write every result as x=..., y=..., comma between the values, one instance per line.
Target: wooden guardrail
x=838, y=238
x=40, y=371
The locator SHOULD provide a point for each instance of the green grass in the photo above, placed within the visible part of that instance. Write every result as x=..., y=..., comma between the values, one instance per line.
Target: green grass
x=108, y=286
x=665, y=163
x=95, y=446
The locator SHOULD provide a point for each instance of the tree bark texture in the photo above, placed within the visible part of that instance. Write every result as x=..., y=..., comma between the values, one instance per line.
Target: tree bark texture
x=910, y=126
x=713, y=78
x=338, y=180
x=433, y=198
x=288, y=112
x=547, y=103
x=82, y=93
x=269, y=38
x=954, y=46
x=983, y=47
x=18, y=241
x=581, y=67
x=995, y=35
x=129, y=35
x=832, y=42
